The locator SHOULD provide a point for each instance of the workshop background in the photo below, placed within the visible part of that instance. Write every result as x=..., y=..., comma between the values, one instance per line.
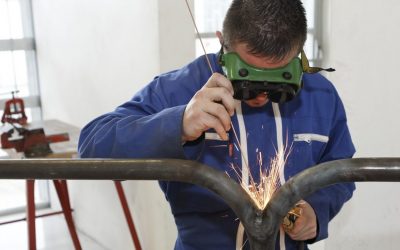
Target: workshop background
x=93, y=55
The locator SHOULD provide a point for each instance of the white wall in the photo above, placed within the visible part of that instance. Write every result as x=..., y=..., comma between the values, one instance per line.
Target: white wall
x=91, y=54
x=176, y=35
x=94, y=55
x=362, y=43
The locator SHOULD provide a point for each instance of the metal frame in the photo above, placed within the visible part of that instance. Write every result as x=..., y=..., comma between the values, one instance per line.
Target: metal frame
x=261, y=226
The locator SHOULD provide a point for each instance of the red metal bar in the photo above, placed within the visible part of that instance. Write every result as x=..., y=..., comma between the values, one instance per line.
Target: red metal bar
x=62, y=193
x=30, y=214
x=57, y=138
x=65, y=191
x=128, y=216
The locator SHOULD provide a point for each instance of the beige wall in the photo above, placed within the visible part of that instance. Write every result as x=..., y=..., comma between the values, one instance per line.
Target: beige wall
x=362, y=43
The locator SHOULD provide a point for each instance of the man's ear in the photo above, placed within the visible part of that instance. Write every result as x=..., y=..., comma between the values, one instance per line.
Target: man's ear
x=219, y=35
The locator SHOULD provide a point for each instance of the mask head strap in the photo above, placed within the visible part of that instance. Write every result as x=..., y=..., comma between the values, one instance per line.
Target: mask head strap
x=306, y=65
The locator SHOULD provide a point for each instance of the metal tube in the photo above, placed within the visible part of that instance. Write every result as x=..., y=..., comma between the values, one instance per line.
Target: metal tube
x=134, y=169
x=261, y=226
x=320, y=176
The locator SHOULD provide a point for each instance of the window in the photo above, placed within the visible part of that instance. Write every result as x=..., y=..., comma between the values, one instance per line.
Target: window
x=312, y=47
x=17, y=55
x=210, y=15
x=18, y=73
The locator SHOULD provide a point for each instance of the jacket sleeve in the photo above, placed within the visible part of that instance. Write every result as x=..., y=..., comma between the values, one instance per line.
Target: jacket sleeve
x=327, y=202
x=150, y=124
x=146, y=126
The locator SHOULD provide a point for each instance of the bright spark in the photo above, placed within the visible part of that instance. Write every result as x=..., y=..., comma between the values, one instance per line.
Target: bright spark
x=261, y=191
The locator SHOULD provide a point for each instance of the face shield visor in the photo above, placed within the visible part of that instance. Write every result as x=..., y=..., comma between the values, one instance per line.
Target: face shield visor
x=279, y=84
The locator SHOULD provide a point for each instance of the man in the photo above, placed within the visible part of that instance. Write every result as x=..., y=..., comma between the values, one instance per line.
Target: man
x=188, y=114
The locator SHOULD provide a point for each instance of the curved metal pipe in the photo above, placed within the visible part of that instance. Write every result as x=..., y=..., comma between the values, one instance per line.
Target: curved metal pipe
x=315, y=178
x=134, y=169
x=261, y=226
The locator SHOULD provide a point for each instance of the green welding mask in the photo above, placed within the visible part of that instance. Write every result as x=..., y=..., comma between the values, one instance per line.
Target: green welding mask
x=280, y=84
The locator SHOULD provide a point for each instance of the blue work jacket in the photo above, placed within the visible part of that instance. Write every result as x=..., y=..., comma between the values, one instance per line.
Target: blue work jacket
x=313, y=126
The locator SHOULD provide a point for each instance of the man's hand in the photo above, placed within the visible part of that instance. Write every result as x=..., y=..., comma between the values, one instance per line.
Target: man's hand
x=305, y=227
x=211, y=107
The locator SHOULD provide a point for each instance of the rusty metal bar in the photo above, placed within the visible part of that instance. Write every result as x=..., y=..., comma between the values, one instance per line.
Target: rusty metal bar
x=134, y=169
x=313, y=179
x=261, y=226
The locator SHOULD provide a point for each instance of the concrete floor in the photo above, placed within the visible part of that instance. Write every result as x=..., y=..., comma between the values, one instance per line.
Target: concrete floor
x=51, y=234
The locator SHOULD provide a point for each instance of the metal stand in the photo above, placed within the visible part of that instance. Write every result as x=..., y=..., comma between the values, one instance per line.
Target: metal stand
x=128, y=216
x=62, y=192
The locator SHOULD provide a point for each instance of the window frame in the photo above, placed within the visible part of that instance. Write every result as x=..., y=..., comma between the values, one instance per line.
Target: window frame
x=27, y=44
x=32, y=100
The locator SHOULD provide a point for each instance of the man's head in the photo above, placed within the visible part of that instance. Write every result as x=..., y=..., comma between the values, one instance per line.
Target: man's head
x=269, y=28
x=265, y=34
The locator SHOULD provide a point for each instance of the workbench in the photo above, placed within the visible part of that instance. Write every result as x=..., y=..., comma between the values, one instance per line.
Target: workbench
x=66, y=149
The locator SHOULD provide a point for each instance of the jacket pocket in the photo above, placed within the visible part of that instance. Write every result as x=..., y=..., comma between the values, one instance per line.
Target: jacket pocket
x=306, y=152
x=310, y=137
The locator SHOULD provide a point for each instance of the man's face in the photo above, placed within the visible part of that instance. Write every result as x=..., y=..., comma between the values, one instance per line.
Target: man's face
x=260, y=62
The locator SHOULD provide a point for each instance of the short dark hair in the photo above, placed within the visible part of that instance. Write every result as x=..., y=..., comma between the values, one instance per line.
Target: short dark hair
x=270, y=28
